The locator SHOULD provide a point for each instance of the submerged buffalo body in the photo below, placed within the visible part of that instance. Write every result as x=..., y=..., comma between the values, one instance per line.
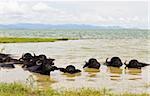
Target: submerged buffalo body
x=135, y=64
x=115, y=62
x=7, y=65
x=39, y=64
x=7, y=58
x=3, y=57
x=92, y=63
x=43, y=65
x=69, y=69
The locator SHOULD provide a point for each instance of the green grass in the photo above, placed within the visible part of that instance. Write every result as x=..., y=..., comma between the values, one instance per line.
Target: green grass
x=23, y=40
x=13, y=89
x=16, y=89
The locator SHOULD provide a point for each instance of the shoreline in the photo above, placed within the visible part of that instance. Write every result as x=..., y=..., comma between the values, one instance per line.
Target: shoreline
x=28, y=39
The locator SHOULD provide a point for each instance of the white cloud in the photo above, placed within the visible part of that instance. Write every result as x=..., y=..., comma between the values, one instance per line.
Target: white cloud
x=43, y=7
x=45, y=11
x=101, y=19
x=40, y=7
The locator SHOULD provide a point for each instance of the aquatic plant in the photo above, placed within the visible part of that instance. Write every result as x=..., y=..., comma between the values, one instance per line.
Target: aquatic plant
x=25, y=39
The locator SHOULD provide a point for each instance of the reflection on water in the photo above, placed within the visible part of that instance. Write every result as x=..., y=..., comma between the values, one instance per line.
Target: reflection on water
x=77, y=52
x=71, y=75
x=92, y=72
x=115, y=70
x=43, y=81
x=133, y=71
x=134, y=78
x=115, y=73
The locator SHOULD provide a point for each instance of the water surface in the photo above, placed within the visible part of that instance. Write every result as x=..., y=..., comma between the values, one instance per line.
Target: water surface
x=76, y=52
x=78, y=33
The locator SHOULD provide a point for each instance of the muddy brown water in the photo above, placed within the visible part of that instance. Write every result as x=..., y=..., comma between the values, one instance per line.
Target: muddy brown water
x=76, y=52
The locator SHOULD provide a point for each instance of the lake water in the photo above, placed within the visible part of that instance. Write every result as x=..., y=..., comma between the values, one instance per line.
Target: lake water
x=79, y=33
x=127, y=45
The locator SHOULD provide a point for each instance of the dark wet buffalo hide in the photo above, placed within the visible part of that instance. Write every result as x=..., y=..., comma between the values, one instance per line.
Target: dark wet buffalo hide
x=115, y=62
x=92, y=63
x=69, y=69
x=135, y=64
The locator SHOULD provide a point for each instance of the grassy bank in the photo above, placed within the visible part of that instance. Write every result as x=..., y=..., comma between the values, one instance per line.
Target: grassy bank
x=23, y=40
x=15, y=89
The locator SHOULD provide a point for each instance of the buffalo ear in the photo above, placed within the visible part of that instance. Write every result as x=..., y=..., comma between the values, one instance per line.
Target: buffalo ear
x=52, y=59
x=144, y=64
x=22, y=54
x=107, y=60
x=125, y=63
x=86, y=64
x=34, y=54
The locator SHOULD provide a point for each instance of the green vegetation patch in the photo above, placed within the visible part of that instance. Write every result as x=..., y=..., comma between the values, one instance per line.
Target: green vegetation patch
x=23, y=40
x=13, y=89
x=16, y=89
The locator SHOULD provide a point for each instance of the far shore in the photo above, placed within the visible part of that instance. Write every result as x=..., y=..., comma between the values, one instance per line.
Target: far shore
x=28, y=39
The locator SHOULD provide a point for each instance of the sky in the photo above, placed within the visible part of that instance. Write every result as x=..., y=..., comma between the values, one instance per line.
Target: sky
x=133, y=13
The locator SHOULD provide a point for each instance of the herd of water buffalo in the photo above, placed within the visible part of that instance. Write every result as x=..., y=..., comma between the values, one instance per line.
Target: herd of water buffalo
x=43, y=65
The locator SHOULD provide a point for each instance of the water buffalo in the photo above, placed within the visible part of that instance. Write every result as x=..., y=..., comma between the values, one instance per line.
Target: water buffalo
x=45, y=70
x=114, y=62
x=39, y=64
x=28, y=60
x=26, y=56
x=4, y=65
x=92, y=63
x=135, y=64
x=8, y=58
x=69, y=69
x=47, y=66
x=4, y=57
x=41, y=57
